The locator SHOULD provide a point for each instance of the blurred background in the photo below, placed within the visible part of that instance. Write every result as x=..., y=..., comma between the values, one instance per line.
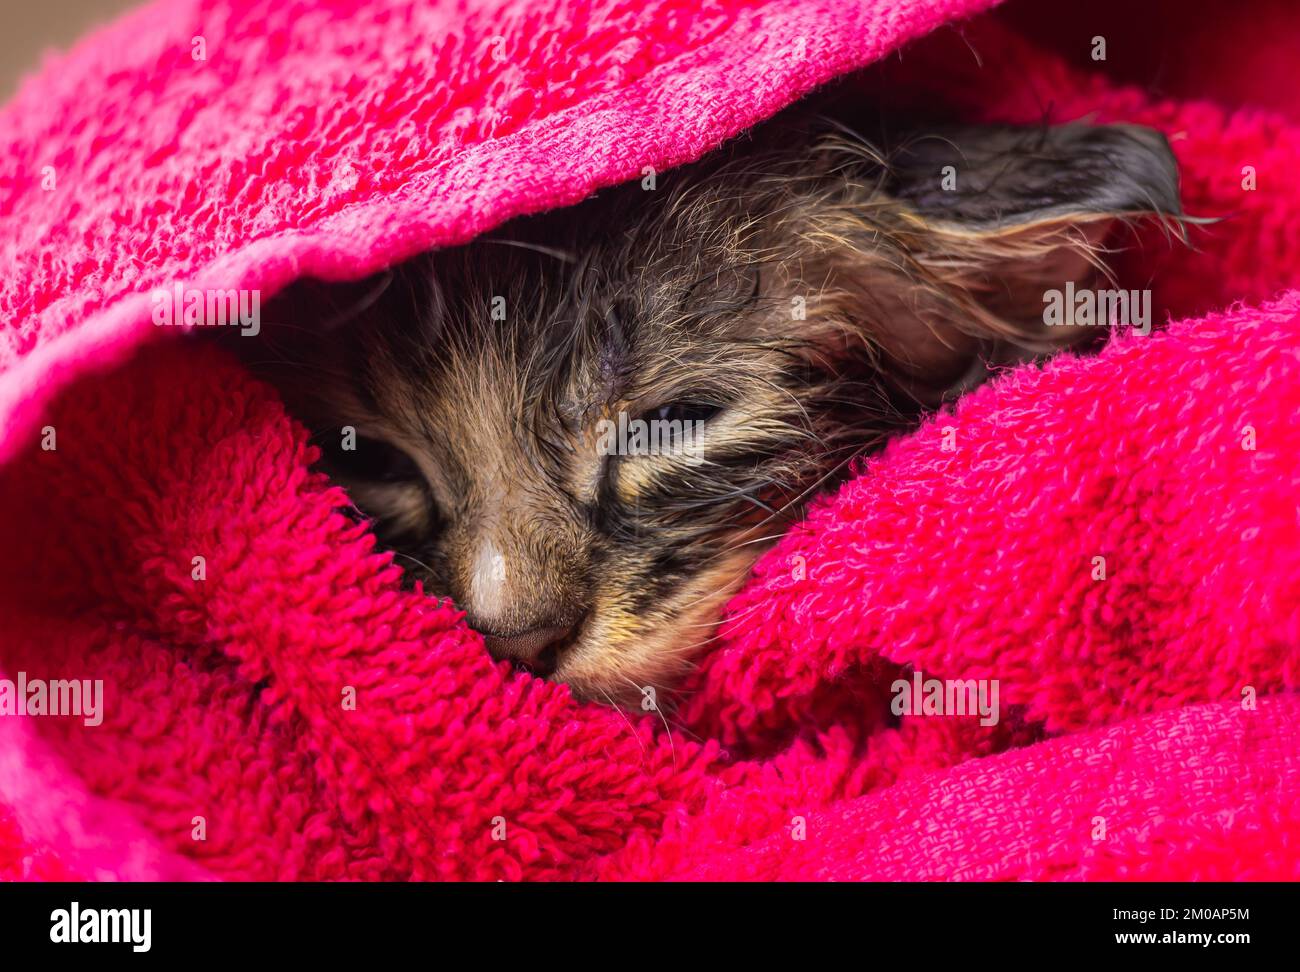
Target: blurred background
x=29, y=29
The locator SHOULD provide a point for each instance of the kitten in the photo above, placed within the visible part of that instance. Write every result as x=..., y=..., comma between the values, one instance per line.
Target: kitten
x=585, y=427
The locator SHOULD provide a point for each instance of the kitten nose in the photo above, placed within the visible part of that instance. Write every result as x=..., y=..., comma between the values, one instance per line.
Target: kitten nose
x=537, y=650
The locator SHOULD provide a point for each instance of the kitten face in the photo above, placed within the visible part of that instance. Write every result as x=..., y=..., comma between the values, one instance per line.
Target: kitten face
x=604, y=464
x=586, y=430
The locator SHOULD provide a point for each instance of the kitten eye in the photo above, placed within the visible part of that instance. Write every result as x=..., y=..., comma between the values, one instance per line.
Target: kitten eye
x=370, y=459
x=686, y=412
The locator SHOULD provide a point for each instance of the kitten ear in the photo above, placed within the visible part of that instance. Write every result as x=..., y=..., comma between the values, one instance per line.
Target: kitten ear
x=1005, y=177
x=1012, y=211
x=981, y=222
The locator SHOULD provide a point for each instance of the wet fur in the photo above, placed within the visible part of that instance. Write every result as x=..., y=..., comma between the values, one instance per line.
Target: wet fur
x=689, y=293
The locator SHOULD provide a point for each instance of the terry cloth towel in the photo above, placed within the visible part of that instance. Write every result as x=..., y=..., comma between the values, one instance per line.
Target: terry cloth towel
x=1113, y=539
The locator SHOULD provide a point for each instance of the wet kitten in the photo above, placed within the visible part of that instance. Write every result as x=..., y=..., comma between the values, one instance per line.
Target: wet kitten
x=788, y=303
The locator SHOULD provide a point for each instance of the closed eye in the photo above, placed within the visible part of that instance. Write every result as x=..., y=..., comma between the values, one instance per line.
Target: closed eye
x=684, y=412
x=368, y=459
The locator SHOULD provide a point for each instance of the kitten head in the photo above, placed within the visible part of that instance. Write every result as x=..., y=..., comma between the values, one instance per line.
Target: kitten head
x=585, y=429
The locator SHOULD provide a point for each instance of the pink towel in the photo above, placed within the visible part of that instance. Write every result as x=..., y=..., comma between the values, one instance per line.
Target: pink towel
x=1112, y=539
